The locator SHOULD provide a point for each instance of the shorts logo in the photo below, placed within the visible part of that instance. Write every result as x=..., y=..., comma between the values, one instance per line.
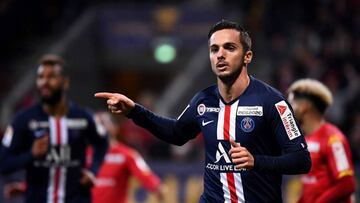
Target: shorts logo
x=288, y=120
x=247, y=124
x=201, y=109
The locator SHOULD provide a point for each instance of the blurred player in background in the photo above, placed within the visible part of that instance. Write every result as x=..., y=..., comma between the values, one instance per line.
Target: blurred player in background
x=331, y=178
x=120, y=164
x=49, y=140
x=251, y=137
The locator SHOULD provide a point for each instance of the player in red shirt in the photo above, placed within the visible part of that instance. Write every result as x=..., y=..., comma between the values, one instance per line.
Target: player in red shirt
x=120, y=163
x=331, y=178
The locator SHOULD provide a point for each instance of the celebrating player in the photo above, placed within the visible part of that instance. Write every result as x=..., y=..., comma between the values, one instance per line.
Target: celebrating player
x=251, y=136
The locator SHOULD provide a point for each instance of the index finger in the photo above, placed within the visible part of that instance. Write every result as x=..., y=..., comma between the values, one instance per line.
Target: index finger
x=105, y=95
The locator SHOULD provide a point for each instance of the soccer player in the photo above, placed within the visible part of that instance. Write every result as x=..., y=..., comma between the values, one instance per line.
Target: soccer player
x=120, y=163
x=251, y=136
x=331, y=178
x=49, y=140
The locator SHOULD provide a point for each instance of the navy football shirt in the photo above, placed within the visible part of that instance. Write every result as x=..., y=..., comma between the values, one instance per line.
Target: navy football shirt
x=260, y=119
x=55, y=177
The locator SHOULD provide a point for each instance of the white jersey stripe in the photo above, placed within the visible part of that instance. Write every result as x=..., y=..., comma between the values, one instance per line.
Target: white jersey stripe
x=51, y=184
x=50, y=190
x=61, y=191
x=64, y=131
x=239, y=187
x=52, y=129
x=220, y=122
x=57, y=175
x=233, y=110
x=63, y=170
x=223, y=180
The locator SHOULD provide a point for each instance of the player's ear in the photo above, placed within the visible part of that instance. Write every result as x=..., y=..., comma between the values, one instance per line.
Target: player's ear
x=248, y=57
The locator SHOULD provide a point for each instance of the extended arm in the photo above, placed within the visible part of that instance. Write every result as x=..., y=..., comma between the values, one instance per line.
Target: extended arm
x=171, y=131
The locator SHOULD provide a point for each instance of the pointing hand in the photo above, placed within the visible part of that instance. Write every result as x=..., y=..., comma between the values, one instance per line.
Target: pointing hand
x=117, y=103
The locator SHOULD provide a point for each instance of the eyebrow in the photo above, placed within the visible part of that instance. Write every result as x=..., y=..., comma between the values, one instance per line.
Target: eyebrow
x=225, y=44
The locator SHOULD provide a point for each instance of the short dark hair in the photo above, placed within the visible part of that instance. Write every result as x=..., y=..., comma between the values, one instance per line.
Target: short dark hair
x=245, y=39
x=53, y=59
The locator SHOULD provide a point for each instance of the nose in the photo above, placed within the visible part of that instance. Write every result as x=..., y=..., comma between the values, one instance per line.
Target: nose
x=220, y=54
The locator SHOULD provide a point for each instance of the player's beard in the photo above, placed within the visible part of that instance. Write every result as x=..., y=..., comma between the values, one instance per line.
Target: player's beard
x=54, y=98
x=231, y=78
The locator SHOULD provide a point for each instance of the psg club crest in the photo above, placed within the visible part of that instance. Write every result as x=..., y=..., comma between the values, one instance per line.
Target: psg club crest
x=247, y=124
x=201, y=109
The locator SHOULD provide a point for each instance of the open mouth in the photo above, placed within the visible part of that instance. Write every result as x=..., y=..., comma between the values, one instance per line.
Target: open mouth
x=221, y=65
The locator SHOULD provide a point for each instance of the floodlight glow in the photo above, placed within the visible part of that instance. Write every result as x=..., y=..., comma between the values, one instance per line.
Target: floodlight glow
x=165, y=53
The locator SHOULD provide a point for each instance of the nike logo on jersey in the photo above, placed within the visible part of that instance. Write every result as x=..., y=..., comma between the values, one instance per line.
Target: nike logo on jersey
x=207, y=122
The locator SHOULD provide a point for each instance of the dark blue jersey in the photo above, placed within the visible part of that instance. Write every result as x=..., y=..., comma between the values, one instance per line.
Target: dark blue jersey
x=56, y=176
x=260, y=119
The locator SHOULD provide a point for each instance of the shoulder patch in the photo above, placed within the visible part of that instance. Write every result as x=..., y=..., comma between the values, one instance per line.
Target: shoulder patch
x=339, y=153
x=6, y=141
x=288, y=120
x=334, y=138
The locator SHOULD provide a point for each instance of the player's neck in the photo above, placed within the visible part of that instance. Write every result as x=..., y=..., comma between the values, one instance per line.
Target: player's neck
x=113, y=141
x=232, y=90
x=312, y=122
x=57, y=110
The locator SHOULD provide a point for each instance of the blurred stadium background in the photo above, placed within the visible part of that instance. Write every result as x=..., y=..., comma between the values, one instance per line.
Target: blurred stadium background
x=156, y=53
